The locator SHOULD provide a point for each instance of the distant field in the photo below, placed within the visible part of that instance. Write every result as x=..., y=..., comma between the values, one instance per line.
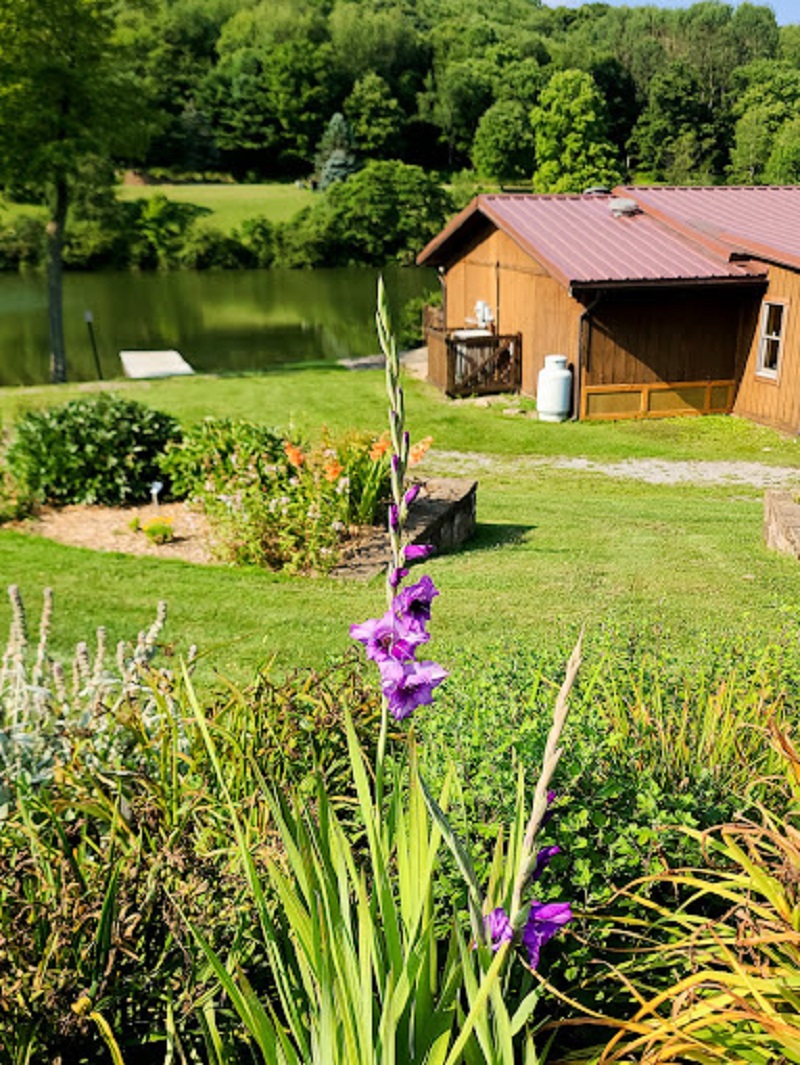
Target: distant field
x=230, y=204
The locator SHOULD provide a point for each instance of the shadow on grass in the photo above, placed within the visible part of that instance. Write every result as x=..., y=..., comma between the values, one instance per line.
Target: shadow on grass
x=487, y=537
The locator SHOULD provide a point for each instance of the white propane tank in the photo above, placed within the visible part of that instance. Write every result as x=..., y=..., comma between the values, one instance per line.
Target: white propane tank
x=554, y=389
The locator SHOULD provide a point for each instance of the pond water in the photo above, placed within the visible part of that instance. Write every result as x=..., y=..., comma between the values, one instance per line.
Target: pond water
x=220, y=321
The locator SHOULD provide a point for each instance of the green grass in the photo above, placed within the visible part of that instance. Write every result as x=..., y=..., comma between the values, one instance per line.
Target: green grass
x=311, y=398
x=230, y=205
x=555, y=549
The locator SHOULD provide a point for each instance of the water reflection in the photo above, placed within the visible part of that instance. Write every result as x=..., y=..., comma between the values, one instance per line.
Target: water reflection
x=226, y=321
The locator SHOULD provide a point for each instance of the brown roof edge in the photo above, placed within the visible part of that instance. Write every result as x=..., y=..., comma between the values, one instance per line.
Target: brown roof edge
x=480, y=206
x=452, y=226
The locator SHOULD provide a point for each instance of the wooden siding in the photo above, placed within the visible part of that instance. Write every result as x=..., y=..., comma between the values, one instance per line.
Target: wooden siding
x=774, y=402
x=523, y=298
x=671, y=335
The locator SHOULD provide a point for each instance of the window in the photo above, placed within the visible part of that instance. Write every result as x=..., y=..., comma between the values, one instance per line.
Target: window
x=773, y=318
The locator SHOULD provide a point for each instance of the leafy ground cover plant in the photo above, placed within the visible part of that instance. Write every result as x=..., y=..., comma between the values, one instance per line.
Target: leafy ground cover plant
x=100, y=450
x=727, y=947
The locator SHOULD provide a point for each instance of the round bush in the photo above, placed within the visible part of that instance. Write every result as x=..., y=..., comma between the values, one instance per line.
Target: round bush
x=101, y=450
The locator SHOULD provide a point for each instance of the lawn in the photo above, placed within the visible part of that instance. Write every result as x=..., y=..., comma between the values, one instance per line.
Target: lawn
x=555, y=549
x=230, y=205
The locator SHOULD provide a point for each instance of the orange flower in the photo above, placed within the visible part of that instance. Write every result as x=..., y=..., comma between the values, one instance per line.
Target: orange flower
x=418, y=451
x=332, y=470
x=294, y=454
x=380, y=447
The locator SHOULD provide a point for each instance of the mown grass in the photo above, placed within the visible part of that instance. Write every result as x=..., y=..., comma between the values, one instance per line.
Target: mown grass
x=554, y=551
x=310, y=398
x=230, y=205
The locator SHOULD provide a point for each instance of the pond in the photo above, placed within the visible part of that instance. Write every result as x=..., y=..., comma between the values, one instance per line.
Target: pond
x=231, y=321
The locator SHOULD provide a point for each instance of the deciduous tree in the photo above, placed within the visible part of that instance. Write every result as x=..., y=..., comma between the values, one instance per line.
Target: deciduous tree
x=65, y=93
x=572, y=149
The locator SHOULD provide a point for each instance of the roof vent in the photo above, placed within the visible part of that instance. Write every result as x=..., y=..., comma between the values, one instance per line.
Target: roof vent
x=597, y=190
x=621, y=207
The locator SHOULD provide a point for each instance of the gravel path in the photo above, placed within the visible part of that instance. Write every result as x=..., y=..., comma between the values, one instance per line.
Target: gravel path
x=651, y=471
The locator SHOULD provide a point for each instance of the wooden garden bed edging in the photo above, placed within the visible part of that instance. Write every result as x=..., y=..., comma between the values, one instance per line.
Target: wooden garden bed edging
x=782, y=522
x=443, y=514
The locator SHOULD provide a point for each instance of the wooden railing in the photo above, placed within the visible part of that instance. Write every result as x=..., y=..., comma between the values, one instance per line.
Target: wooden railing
x=474, y=366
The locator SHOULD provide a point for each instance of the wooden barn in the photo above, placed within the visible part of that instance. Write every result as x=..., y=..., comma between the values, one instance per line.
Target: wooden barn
x=663, y=300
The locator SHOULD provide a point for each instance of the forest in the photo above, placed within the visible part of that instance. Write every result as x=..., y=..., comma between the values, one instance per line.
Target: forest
x=510, y=88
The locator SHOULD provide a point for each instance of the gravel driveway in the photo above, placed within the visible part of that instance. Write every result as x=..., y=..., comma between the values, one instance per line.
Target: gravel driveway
x=652, y=471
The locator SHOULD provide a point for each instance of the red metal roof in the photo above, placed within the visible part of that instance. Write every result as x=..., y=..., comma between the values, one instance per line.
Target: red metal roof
x=580, y=241
x=758, y=220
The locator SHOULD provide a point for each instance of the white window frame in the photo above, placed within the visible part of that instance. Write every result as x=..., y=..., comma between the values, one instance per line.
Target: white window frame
x=770, y=373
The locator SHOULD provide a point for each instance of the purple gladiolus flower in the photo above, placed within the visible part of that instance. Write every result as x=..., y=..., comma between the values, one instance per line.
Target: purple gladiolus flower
x=411, y=494
x=544, y=920
x=397, y=575
x=394, y=517
x=388, y=638
x=414, y=602
x=409, y=684
x=543, y=858
x=498, y=928
x=417, y=552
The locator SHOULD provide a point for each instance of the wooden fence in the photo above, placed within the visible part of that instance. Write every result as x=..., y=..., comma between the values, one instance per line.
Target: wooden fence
x=475, y=365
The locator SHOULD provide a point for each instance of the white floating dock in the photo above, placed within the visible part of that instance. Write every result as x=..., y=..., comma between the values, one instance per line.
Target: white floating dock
x=140, y=364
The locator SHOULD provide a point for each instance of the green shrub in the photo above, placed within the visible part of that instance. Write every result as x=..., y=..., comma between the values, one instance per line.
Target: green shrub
x=215, y=452
x=21, y=243
x=386, y=212
x=257, y=236
x=207, y=248
x=90, y=244
x=101, y=450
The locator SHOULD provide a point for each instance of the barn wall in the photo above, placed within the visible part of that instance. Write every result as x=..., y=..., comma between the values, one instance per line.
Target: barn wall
x=523, y=297
x=773, y=402
x=665, y=335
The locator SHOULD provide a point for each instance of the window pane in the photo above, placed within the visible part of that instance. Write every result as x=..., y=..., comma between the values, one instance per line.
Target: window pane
x=771, y=349
x=774, y=319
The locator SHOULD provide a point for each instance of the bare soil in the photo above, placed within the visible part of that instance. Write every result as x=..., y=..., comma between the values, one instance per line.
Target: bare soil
x=109, y=529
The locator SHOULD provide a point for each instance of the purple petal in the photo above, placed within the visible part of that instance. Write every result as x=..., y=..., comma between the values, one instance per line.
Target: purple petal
x=544, y=920
x=498, y=928
x=545, y=855
x=409, y=684
x=396, y=576
x=388, y=638
x=394, y=517
x=414, y=602
x=411, y=494
x=416, y=552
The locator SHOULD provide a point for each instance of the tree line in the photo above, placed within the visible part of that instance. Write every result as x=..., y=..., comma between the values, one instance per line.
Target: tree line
x=708, y=93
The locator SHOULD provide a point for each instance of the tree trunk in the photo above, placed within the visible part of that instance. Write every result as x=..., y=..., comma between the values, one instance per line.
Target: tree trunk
x=55, y=302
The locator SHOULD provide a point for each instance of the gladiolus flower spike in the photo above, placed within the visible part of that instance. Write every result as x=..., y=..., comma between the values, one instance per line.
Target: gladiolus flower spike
x=544, y=919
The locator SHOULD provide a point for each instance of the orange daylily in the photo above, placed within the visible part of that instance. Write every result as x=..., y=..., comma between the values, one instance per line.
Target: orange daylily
x=380, y=447
x=332, y=470
x=294, y=454
x=418, y=451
